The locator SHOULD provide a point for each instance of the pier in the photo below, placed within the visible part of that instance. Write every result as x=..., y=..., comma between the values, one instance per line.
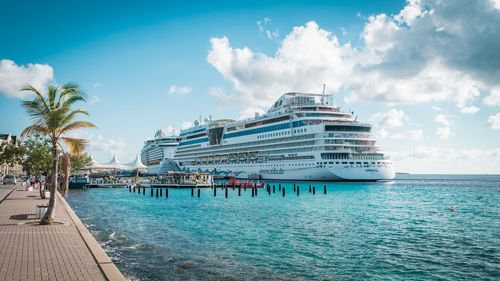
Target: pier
x=63, y=251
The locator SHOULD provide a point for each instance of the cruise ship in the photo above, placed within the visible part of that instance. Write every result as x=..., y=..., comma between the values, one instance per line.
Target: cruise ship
x=157, y=154
x=301, y=137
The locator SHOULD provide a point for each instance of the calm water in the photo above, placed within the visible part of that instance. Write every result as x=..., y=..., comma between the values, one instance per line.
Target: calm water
x=398, y=230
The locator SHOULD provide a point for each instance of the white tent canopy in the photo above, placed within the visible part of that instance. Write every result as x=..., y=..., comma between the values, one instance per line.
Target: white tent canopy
x=136, y=164
x=117, y=165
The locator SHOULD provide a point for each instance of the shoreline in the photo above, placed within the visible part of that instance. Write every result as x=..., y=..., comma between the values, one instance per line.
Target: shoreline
x=107, y=267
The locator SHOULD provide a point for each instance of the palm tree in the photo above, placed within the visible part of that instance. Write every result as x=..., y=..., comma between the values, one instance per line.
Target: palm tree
x=53, y=116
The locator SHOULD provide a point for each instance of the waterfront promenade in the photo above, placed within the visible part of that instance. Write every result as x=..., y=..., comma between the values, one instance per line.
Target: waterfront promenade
x=64, y=251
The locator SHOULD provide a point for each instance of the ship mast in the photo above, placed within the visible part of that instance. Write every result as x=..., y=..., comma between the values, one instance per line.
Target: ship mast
x=323, y=95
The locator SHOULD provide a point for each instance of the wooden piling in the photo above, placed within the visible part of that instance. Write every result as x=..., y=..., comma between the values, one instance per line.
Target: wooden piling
x=161, y=192
x=298, y=190
x=215, y=191
x=134, y=188
x=129, y=189
x=166, y=192
x=325, y=188
x=253, y=193
x=192, y=191
x=274, y=189
x=239, y=191
x=144, y=190
x=279, y=187
x=226, y=192
x=151, y=191
x=309, y=188
x=157, y=193
x=294, y=188
x=283, y=191
x=198, y=192
x=314, y=189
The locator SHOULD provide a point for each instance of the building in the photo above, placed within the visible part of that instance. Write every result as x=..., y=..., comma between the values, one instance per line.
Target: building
x=4, y=168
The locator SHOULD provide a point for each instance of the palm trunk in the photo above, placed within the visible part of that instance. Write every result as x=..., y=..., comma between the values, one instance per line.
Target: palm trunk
x=65, y=172
x=48, y=218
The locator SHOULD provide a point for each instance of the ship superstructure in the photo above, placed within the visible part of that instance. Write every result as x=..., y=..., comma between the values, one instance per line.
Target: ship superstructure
x=158, y=153
x=301, y=137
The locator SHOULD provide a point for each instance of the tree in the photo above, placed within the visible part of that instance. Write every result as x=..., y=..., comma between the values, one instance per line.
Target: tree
x=37, y=160
x=11, y=154
x=80, y=161
x=53, y=116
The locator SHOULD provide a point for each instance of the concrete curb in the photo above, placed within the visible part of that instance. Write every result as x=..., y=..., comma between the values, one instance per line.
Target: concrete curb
x=108, y=269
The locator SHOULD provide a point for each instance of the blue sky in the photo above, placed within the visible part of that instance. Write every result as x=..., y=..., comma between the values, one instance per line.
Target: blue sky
x=422, y=72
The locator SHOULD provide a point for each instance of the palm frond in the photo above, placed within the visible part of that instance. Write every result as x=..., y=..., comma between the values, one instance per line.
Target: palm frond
x=76, y=146
x=72, y=115
x=76, y=125
x=39, y=97
x=54, y=117
x=34, y=129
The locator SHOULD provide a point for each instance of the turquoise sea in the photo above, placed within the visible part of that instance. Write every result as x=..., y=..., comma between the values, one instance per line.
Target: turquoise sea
x=396, y=230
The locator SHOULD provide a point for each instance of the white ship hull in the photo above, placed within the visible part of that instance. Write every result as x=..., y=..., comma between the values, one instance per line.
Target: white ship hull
x=334, y=173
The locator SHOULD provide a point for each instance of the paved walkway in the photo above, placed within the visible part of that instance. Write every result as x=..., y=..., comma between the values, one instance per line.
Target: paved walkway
x=5, y=190
x=66, y=251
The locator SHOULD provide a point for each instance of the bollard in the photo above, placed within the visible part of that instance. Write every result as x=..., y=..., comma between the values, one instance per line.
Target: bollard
x=309, y=188
x=192, y=191
x=239, y=191
x=166, y=192
x=226, y=192
x=283, y=191
x=298, y=190
x=294, y=188
x=157, y=193
x=279, y=187
x=198, y=192
x=325, y=189
x=314, y=190
x=215, y=191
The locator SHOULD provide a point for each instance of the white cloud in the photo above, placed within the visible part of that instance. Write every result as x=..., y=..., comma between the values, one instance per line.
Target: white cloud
x=250, y=112
x=15, y=77
x=186, y=124
x=382, y=134
x=308, y=57
x=430, y=51
x=94, y=99
x=494, y=98
x=437, y=153
x=99, y=144
x=392, y=118
x=410, y=135
x=437, y=108
x=495, y=154
x=443, y=132
x=469, y=109
x=179, y=90
x=172, y=131
x=494, y=121
x=96, y=85
x=443, y=119
x=264, y=26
